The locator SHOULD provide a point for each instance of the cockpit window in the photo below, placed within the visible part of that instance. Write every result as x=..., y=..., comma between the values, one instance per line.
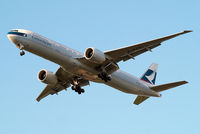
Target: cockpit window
x=17, y=33
x=14, y=30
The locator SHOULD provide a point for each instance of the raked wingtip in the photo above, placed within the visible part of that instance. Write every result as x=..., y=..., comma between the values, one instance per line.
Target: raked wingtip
x=187, y=31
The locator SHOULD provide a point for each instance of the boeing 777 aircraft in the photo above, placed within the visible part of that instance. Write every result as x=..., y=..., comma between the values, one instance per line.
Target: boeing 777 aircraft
x=77, y=69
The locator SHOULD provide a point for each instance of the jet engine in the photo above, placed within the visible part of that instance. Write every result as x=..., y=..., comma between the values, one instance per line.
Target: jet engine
x=95, y=55
x=47, y=77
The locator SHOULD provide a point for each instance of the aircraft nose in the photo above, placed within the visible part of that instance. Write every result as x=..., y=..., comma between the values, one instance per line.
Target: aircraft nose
x=12, y=38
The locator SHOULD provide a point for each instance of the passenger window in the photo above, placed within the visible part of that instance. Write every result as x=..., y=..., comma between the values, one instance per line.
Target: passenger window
x=25, y=35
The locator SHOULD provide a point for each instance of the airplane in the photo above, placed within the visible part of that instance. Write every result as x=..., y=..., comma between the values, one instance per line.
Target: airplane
x=76, y=70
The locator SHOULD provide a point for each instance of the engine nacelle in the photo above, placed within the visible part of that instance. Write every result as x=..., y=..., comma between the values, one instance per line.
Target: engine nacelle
x=95, y=55
x=47, y=77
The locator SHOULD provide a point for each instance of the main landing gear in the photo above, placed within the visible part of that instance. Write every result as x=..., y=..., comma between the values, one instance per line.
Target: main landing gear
x=78, y=89
x=76, y=86
x=104, y=76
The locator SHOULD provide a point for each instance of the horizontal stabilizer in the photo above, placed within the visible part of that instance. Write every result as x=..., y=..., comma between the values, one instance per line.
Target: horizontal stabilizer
x=159, y=88
x=164, y=87
x=140, y=99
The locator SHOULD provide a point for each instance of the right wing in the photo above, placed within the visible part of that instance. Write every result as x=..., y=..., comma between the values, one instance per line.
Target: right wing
x=126, y=53
x=64, y=79
x=132, y=51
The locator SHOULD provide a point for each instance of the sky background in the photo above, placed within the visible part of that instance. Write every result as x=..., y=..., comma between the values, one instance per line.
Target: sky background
x=105, y=25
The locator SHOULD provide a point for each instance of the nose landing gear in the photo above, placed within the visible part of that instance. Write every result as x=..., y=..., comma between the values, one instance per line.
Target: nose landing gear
x=21, y=47
x=22, y=53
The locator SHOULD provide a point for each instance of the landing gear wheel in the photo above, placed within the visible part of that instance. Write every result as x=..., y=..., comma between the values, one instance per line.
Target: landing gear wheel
x=78, y=89
x=79, y=92
x=73, y=88
x=104, y=76
x=109, y=78
x=22, y=53
x=82, y=91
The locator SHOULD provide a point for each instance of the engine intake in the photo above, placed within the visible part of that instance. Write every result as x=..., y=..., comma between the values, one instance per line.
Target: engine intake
x=47, y=77
x=95, y=55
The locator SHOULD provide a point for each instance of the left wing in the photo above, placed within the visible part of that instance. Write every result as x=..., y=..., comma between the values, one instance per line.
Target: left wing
x=132, y=51
x=64, y=79
x=50, y=90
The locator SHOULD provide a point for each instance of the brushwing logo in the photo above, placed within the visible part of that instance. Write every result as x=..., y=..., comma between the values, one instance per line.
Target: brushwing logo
x=150, y=76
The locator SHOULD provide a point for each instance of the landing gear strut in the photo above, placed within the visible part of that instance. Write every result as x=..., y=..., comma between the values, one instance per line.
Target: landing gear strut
x=104, y=76
x=21, y=47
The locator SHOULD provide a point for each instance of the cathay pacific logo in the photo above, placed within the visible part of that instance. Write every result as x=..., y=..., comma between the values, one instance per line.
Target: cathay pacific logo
x=150, y=76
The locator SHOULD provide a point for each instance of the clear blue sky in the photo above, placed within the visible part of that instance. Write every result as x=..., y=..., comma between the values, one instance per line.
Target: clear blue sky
x=105, y=25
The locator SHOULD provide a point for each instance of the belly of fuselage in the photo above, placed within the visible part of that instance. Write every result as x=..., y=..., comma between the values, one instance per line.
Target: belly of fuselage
x=129, y=84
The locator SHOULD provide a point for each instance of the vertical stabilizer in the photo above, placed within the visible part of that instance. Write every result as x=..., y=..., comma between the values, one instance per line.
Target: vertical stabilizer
x=150, y=75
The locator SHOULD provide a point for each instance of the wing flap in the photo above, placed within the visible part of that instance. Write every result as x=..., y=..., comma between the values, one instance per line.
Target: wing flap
x=137, y=52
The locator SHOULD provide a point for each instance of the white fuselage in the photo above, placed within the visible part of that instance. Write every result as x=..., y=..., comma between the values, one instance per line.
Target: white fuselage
x=67, y=59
